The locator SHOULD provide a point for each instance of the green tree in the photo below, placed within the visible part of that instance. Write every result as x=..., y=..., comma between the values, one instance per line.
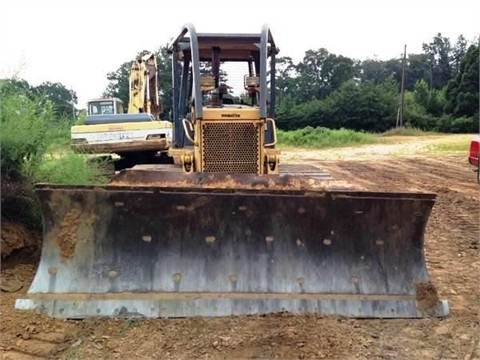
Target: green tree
x=378, y=71
x=417, y=69
x=415, y=114
x=164, y=62
x=290, y=115
x=14, y=85
x=438, y=54
x=320, y=73
x=286, y=82
x=63, y=99
x=355, y=105
x=365, y=106
x=462, y=92
x=373, y=70
x=421, y=93
x=433, y=101
x=118, y=85
x=458, y=52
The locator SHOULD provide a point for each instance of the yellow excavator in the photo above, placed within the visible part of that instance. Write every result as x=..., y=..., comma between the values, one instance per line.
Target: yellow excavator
x=227, y=229
x=138, y=136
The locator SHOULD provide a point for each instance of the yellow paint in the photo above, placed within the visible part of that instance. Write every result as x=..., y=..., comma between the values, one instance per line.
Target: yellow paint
x=231, y=113
x=128, y=126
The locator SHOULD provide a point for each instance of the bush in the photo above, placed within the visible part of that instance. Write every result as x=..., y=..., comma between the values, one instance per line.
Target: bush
x=34, y=148
x=23, y=130
x=460, y=125
x=424, y=122
x=465, y=125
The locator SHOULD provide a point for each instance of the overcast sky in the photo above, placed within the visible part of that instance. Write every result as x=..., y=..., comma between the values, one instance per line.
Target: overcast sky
x=77, y=42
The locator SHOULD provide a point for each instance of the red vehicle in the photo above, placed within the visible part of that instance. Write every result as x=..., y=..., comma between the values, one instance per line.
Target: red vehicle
x=474, y=157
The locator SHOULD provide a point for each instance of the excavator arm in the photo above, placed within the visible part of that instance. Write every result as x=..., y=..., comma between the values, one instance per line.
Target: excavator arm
x=143, y=86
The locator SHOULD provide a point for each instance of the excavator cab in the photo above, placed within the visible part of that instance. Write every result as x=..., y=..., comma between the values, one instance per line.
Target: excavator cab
x=104, y=106
x=226, y=230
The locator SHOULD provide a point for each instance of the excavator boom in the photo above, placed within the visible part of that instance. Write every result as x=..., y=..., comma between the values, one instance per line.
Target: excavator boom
x=143, y=86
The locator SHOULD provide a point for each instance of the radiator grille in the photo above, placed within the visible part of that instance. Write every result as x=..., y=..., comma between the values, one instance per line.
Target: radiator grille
x=230, y=147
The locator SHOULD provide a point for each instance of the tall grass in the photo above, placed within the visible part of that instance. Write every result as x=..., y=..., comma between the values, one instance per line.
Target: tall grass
x=70, y=169
x=320, y=137
x=24, y=129
x=34, y=147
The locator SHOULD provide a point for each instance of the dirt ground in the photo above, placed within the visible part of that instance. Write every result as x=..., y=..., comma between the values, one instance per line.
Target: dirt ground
x=452, y=253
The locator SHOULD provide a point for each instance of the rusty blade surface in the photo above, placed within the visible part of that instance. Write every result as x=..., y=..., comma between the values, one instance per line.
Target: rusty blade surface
x=161, y=250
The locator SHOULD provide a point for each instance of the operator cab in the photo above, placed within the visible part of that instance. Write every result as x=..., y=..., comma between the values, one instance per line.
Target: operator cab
x=107, y=106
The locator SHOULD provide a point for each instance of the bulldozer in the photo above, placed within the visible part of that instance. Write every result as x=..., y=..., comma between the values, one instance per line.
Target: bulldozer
x=227, y=229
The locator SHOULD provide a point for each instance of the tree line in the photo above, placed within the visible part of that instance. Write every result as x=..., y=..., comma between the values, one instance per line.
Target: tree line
x=55, y=95
x=329, y=90
x=334, y=91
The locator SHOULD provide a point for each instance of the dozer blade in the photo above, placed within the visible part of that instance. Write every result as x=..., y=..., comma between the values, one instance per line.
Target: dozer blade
x=198, y=250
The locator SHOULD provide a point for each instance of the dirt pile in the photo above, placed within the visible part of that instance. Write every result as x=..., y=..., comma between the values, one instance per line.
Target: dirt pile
x=16, y=236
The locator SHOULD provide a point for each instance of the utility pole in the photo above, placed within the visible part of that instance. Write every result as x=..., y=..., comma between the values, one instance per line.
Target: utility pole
x=402, y=90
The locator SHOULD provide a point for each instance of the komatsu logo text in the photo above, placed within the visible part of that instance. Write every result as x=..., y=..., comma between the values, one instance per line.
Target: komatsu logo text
x=230, y=115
